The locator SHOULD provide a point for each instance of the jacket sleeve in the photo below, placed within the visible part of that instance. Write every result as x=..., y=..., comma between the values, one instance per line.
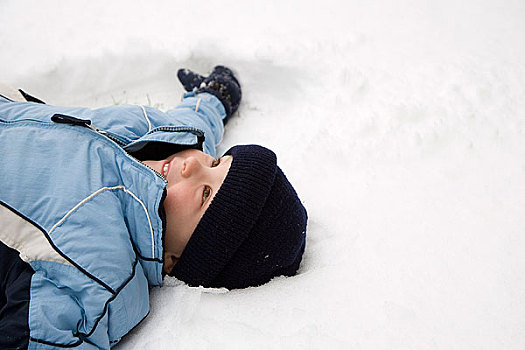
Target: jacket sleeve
x=131, y=124
x=197, y=114
x=66, y=318
x=205, y=112
x=63, y=316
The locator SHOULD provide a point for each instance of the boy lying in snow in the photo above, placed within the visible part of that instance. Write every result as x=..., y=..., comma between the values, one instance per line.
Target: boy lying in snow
x=98, y=205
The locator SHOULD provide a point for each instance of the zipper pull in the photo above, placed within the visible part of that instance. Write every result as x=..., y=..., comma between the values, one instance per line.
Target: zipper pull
x=67, y=119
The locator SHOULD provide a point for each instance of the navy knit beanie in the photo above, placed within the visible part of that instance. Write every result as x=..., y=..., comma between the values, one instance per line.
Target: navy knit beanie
x=253, y=230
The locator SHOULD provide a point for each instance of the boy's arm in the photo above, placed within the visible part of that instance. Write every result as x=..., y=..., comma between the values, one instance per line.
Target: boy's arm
x=74, y=312
x=207, y=106
x=61, y=318
x=195, y=114
x=134, y=126
x=129, y=125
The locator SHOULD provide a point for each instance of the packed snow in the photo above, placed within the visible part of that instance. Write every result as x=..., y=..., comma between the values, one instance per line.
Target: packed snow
x=400, y=123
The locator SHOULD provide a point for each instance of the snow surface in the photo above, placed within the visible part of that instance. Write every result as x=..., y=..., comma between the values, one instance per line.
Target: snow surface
x=401, y=124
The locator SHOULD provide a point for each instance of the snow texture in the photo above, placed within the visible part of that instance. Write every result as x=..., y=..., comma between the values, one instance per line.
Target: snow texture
x=400, y=123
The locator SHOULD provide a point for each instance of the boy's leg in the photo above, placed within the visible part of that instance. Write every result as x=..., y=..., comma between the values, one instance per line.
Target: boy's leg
x=15, y=282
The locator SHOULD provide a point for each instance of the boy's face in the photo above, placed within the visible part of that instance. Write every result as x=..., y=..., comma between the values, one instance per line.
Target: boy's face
x=193, y=180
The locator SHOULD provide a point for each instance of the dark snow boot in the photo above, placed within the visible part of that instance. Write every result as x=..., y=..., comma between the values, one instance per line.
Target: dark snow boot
x=221, y=83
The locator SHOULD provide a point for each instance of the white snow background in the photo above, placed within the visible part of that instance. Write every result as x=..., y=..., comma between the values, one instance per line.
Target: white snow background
x=400, y=123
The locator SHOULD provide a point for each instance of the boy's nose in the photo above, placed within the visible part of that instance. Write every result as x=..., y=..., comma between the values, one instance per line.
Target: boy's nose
x=190, y=166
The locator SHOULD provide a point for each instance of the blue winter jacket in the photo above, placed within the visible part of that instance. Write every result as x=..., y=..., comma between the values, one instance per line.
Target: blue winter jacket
x=86, y=214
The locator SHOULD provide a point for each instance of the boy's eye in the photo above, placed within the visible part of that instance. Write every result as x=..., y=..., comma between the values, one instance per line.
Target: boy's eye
x=205, y=193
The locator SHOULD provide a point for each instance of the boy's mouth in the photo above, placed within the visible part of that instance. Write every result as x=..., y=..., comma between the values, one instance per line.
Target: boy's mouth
x=165, y=169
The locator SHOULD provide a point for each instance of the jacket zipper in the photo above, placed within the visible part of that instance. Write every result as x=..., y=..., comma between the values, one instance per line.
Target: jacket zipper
x=155, y=171
x=191, y=129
